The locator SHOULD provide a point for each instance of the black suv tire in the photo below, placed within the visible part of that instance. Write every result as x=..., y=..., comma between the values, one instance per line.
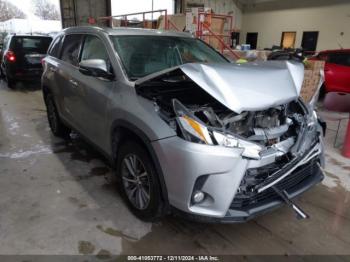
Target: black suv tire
x=154, y=209
x=57, y=127
x=11, y=83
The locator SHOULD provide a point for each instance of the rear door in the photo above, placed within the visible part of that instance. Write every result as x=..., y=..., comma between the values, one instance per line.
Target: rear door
x=29, y=51
x=51, y=66
x=67, y=72
x=337, y=72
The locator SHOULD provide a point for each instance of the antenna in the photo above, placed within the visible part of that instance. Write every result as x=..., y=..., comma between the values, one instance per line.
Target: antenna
x=341, y=47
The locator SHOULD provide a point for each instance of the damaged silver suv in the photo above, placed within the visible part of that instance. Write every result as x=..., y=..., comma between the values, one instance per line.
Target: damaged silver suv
x=187, y=131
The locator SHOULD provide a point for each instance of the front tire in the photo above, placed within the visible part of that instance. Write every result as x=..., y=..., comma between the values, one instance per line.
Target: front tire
x=138, y=181
x=55, y=123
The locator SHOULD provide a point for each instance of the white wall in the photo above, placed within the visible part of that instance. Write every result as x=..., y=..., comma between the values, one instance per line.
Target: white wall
x=329, y=17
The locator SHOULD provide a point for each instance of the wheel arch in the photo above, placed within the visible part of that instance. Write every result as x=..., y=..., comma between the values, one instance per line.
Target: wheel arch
x=123, y=130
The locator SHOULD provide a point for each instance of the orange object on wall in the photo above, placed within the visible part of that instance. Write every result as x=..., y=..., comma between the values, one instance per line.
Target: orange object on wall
x=91, y=20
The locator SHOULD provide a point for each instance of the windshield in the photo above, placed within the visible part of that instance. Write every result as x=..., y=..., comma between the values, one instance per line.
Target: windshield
x=144, y=55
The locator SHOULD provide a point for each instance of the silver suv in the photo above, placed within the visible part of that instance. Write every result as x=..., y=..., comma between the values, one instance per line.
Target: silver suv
x=187, y=131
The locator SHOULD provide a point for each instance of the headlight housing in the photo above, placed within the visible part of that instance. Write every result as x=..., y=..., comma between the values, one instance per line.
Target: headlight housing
x=194, y=130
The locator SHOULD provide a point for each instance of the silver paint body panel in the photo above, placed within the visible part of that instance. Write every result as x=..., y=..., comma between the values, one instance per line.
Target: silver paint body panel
x=93, y=106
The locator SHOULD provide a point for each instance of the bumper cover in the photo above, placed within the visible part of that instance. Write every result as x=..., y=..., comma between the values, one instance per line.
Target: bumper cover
x=219, y=172
x=25, y=74
x=242, y=210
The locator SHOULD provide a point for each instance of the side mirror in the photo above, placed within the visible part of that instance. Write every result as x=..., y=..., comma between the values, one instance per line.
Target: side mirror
x=95, y=68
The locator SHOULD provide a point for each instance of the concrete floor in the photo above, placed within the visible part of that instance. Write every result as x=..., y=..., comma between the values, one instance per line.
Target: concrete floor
x=57, y=197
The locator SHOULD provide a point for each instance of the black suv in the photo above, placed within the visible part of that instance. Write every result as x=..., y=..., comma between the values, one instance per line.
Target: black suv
x=21, y=57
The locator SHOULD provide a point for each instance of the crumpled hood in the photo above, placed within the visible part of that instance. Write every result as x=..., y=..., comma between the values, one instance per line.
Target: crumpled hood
x=246, y=87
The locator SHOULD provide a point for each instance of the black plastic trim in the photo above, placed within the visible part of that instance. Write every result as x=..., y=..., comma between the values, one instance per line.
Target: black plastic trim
x=235, y=216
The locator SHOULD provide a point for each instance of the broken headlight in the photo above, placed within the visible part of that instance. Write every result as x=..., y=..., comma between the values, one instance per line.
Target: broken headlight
x=194, y=130
x=312, y=118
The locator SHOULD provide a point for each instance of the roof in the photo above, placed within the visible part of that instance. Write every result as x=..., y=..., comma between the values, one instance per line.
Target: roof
x=336, y=51
x=29, y=35
x=125, y=31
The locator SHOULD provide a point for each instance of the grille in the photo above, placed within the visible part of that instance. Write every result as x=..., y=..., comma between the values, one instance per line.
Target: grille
x=291, y=183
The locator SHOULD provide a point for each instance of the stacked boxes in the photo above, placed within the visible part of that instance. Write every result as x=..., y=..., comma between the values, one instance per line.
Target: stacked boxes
x=312, y=78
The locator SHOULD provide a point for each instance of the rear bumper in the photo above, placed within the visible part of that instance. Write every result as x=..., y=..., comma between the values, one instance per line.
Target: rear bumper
x=24, y=74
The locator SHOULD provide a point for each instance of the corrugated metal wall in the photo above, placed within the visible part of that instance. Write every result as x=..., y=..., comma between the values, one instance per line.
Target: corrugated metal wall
x=78, y=12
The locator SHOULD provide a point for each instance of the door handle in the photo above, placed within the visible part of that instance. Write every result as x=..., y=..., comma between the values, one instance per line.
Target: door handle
x=73, y=82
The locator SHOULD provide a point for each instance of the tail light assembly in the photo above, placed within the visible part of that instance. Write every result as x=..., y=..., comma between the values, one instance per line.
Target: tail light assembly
x=10, y=56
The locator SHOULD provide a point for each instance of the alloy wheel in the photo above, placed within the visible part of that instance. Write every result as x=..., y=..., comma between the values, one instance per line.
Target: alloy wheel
x=136, y=181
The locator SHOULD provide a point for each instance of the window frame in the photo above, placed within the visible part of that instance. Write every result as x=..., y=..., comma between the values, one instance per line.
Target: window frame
x=85, y=35
x=83, y=44
x=59, y=40
x=79, y=51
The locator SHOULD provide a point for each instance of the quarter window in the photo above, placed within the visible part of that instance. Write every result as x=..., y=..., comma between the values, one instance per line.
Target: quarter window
x=71, y=48
x=55, y=48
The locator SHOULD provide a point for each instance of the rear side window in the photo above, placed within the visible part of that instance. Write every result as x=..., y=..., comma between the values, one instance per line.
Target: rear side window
x=55, y=47
x=71, y=48
x=31, y=44
x=340, y=59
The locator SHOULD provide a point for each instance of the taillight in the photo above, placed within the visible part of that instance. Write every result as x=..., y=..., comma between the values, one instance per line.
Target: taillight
x=10, y=56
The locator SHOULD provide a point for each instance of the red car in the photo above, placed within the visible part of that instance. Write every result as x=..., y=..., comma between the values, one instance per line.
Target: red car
x=337, y=70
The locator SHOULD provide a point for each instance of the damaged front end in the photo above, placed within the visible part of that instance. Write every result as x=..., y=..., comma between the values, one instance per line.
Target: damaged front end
x=277, y=133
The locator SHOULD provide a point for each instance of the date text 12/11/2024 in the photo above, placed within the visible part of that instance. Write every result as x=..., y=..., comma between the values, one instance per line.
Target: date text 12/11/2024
x=173, y=258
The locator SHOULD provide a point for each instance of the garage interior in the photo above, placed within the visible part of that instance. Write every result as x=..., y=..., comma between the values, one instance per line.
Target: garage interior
x=58, y=197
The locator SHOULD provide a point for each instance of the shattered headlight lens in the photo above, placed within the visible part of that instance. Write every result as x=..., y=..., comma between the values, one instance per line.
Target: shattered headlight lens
x=194, y=130
x=251, y=150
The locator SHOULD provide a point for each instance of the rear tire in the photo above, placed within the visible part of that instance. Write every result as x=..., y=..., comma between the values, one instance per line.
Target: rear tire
x=138, y=181
x=57, y=127
x=11, y=83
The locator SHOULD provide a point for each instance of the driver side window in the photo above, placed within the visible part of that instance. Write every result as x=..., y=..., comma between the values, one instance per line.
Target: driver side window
x=94, y=49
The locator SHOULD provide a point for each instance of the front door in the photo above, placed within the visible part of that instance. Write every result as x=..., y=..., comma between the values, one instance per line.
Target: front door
x=337, y=72
x=94, y=93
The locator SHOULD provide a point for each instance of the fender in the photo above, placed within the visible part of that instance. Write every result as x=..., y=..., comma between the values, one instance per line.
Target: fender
x=147, y=142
